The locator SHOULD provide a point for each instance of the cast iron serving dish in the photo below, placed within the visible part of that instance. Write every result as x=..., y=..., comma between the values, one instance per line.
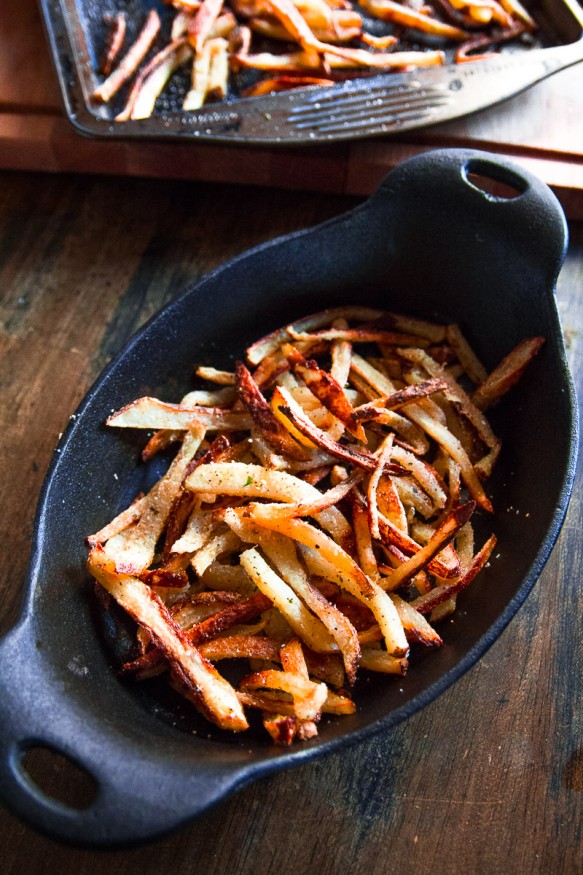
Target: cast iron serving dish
x=429, y=242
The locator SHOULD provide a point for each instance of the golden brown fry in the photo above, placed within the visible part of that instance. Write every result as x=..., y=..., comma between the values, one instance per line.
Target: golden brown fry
x=508, y=372
x=274, y=432
x=114, y=40
x=131, y=60
x=422, y=557
x=396, y=13
x=213, y=694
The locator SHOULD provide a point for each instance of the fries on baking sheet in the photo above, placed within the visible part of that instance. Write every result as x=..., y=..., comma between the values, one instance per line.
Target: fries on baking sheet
x=218, y=49
x=317, y=520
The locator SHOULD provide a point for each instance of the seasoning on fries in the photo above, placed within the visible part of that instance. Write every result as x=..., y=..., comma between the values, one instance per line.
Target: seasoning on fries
x=247, y=48
x=317, y=521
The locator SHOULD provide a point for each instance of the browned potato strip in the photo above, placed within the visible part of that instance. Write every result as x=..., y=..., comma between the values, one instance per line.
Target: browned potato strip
x=273, y=431
x=508, y=372
x=308, y=697
x=380, y=660
x=427, y=602
x=240, y=647
x=301, y=422
x=422, y=557
x=398, y=399
x=131, y=60
x=271, y=342
x=392, y=535
x=388, y=10
x=202, y=22
x=213, y=694
x=326, y=389
x=116, y=32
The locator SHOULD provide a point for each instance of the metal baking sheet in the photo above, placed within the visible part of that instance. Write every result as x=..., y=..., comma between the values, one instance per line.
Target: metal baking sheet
x=379, y=105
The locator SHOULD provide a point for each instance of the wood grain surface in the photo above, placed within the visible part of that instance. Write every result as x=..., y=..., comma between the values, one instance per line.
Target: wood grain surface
x=487, y=779
x=541, y=129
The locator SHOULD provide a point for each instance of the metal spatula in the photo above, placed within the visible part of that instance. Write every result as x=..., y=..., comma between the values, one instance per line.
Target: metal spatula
x=399, y=102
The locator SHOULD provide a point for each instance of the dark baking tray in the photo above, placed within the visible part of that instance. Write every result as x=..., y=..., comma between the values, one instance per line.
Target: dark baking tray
x=76, y=35
x=429, y=243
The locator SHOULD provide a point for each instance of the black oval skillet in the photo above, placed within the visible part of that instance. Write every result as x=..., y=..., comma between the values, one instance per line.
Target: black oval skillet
x=430, y=243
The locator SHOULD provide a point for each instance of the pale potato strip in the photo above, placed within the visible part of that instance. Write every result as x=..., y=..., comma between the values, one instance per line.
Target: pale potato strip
x=340, y=355
x=222, y=542
x=424, y=473
x=444, y=437
x=363, y=539
x=380, y=660
x=133, y=549
x=418, y=412
x=152, y=413
x=168, y=61
x=198, y=530
x=305, y=533
x=214, y=375
x=414, y=623
x=379, y=602
x=470, y=362
x=454, y=392
x=281, y=552
x=254, y=481
x=122, y=521
x=383, y=455
x=304, y=624
x=309, y=697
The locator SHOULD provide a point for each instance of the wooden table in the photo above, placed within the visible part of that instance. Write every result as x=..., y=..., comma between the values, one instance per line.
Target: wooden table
x=488, y=778
x=541, y=129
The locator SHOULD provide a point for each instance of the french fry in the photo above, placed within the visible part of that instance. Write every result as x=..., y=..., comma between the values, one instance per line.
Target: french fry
x=508, y=372
x=151, y=413
x=213, y=694
x=284, y=598
x=133, y=549
x=117, y=25
x=131, y=60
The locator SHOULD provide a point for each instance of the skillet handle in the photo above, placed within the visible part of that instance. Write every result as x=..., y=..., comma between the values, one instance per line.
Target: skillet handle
x=523, y=210
x=136, y=798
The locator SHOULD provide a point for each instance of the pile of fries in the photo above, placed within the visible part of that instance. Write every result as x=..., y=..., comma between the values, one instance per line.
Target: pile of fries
x=316, y=519
x=285, y=44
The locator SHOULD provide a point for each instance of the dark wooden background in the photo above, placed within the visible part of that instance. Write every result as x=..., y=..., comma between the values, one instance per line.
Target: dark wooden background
x=488, y=778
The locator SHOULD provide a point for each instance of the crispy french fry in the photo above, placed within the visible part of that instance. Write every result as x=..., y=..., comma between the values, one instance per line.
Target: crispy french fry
x=131, y=60
x=213, y=694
